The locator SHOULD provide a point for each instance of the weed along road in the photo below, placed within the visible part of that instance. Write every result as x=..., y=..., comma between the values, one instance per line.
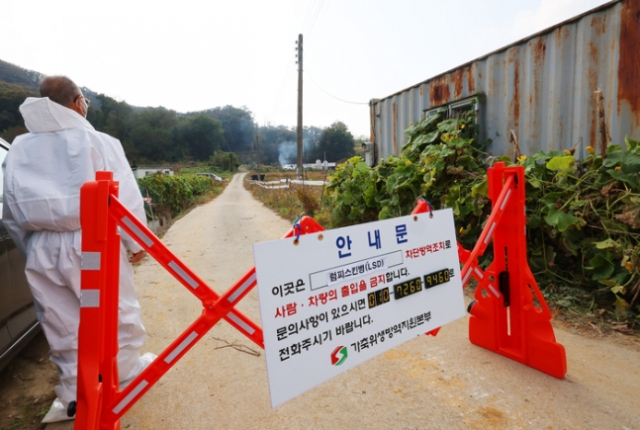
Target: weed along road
x=441, y=382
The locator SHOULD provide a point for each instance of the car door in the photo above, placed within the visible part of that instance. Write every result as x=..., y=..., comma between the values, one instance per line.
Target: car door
x=5, y=284
x=23, y=313
x=18, y=311
x=5, y=299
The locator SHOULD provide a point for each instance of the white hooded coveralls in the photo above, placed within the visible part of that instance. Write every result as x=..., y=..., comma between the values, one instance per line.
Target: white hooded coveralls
x=43, y=173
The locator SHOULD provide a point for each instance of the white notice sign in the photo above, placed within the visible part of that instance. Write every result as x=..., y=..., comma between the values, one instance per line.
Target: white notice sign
x=343, y=296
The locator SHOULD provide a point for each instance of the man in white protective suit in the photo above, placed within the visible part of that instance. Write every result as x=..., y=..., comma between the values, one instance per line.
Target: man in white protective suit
x=43, y=173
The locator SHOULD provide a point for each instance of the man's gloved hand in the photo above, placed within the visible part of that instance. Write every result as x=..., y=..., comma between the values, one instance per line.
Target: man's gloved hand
x=138, y=256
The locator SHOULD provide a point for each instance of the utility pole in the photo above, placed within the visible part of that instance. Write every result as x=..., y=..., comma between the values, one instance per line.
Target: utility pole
x=299, y=49
x=258, y=154
x=253, y=156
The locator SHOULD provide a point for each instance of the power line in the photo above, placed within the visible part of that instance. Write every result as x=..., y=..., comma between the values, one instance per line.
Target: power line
x=331, y=95
x=315, y=17
x=307, y=16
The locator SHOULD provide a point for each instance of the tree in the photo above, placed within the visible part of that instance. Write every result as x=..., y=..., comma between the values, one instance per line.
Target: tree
x=152, y=135
x=116, y=119
x=224, y=160
x=200, y=135
x=278, y=144
x=337, y=141
x=237, y=126
x=11, y=97
x=271, y=137
x=311, y=144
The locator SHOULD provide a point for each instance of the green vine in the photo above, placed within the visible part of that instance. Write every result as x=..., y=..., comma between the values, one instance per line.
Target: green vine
x=178, y=192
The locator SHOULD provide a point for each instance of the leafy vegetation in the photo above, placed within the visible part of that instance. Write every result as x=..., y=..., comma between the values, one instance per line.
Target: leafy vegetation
x=336, y=141
x=178, y=192
x=439, y=162
x=11, y=97
x=193, y=168
x=157, y=134
x=225, y=160
x=583, y=216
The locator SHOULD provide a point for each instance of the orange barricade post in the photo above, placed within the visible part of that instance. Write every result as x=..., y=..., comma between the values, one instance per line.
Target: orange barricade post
x=505, y=317
x=93, y=287
x=100, y=403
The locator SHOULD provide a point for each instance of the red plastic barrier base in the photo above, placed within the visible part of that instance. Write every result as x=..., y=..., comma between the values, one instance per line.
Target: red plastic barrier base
x=530, y=340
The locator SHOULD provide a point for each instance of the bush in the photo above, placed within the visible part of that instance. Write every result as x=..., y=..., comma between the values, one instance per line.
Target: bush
x=224, y=160
x=178, y=192
x=439, y=162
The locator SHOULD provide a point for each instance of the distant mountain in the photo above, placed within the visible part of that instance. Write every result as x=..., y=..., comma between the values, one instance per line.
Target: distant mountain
x=13, y=74
x=16, y=84
x=30, y=79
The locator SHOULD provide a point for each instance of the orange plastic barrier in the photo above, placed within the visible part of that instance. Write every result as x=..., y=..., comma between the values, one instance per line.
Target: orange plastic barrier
x=100, y=403
x=505, y=317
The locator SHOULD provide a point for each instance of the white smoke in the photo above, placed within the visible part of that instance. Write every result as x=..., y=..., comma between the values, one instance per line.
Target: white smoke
x=287, y=153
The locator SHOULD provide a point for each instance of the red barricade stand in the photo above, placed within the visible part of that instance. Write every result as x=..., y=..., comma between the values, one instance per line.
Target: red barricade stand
x=505, y=317
x=100, y=403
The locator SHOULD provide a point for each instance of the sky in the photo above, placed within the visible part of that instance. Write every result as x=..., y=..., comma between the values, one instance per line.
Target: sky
x=191, y=55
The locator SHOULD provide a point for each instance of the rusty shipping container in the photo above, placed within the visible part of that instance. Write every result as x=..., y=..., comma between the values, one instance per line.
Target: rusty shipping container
x=542, y=87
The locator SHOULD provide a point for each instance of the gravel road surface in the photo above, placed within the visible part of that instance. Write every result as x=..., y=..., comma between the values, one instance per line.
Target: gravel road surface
x=428, y=383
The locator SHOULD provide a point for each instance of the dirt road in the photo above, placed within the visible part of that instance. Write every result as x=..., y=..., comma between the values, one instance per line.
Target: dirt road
x=427, y=383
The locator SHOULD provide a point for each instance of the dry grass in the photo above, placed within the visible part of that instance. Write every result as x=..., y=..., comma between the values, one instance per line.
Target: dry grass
x=309, y=200
x=290, y=203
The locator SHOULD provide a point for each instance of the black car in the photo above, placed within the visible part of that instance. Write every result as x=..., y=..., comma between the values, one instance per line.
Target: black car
x=18, y=321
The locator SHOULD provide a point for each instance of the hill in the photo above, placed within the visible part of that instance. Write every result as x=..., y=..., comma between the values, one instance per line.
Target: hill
x=16, y=84
x=12, y=74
